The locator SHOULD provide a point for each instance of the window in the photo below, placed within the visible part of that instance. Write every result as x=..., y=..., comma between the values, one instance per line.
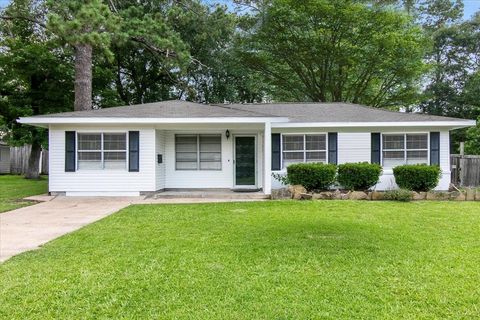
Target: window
x=114, y=151
x=102, y=150
x=210, y=152
x=410, y=148
x=198, y=152
x=304, y=148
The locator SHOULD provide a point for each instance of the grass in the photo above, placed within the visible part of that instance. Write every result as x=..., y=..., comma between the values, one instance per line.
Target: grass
x=268, y=260
x=14, y=188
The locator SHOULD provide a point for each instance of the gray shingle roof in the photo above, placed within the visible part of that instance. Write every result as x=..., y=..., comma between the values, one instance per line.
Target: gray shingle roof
x=296, y=112
x=335, y=112
x=164, y=109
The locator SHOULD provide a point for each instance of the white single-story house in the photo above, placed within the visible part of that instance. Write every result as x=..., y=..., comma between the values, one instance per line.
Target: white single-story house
x=168, y=145
x=4, y=158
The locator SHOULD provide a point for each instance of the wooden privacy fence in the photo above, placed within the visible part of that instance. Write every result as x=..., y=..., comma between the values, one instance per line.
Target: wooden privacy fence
x=465, y=170
x=19, y=160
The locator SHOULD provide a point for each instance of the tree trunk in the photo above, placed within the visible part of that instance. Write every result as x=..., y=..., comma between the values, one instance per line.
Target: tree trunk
x=33, y=170
x=83, y=77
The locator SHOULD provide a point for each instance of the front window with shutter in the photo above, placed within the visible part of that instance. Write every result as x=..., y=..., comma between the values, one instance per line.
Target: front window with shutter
x=304, y=148
x=102, y=150
x=198, y=152
x=408, y=148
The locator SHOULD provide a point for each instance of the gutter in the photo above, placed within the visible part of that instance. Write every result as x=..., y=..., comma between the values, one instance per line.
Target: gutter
x=452, y=124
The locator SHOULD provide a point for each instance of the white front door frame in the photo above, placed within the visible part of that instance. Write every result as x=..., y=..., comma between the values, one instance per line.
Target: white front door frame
x=255, y=137
x=267, y=156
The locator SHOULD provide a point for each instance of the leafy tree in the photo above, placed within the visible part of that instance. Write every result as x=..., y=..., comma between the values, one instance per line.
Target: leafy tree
x=143, y=72
x=472, y=144
x=33, y=72
x=35, y=61
x=211, y=73
x=471, y=96
x=217, y=74
x=83, y=24
x=323, y=50
x=429, y=13
x=454, y=80
x=91, y=24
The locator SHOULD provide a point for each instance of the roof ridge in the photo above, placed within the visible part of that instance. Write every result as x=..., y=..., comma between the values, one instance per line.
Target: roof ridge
x=229, y=106
x=403, y=112
x=422, y=114
x=281, y=102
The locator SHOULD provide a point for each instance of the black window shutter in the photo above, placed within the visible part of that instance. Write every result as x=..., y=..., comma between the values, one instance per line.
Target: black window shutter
x=276, y=162
x=435, y=148
x=133, y=151
x=375, y=157
x=70, y=151
x=332, y=147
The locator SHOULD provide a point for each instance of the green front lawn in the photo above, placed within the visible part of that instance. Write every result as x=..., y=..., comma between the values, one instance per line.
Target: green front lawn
x=266, y=260
x=14, y=188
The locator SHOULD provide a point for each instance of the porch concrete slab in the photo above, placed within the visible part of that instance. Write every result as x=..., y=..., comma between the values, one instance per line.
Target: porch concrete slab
x=209, y=194
x=28, y=228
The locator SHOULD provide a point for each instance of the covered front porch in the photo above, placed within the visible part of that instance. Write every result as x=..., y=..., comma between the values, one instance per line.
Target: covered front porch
x=200, y=159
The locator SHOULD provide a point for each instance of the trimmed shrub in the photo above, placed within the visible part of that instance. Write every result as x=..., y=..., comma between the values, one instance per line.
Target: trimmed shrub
x=312, y=176
x=359, y=176
x=417, y=177
x=398, y=195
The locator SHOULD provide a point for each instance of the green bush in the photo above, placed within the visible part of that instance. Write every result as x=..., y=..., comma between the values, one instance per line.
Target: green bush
x=359, y=176
x=312, y=176
x=398, y=195
x=417, y=177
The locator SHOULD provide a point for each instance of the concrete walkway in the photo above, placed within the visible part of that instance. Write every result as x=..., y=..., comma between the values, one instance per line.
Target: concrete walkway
x=28, y=228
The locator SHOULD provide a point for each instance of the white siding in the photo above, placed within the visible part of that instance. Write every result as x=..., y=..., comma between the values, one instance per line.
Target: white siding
x=445, y=151
x=4, y=159
x=198, y=178
x=160, y=167
x=277, y=184
x=387, y=180
x=354, y=146
x=101, y=182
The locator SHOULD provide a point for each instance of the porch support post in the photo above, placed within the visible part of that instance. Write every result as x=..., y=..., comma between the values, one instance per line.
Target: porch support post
x=267, y=145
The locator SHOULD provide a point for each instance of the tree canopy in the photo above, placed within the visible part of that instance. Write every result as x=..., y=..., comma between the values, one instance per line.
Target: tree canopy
x=35, y=77
x=321, y=50
x=410, y=55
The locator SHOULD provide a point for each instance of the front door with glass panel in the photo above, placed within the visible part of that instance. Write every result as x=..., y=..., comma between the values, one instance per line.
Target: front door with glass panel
x=245, y=170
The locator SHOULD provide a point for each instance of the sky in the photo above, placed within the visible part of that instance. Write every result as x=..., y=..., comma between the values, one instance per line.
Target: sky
x=471, y=6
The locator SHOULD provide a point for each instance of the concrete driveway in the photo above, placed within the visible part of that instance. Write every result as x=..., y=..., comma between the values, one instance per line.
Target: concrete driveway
x=28, y=228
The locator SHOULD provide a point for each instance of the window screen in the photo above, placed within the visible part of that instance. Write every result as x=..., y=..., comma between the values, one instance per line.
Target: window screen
x=89, y=151
x=115, y=150
x=304, y=148
x=198, y=152
x=102, y=151
x=399, y=149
